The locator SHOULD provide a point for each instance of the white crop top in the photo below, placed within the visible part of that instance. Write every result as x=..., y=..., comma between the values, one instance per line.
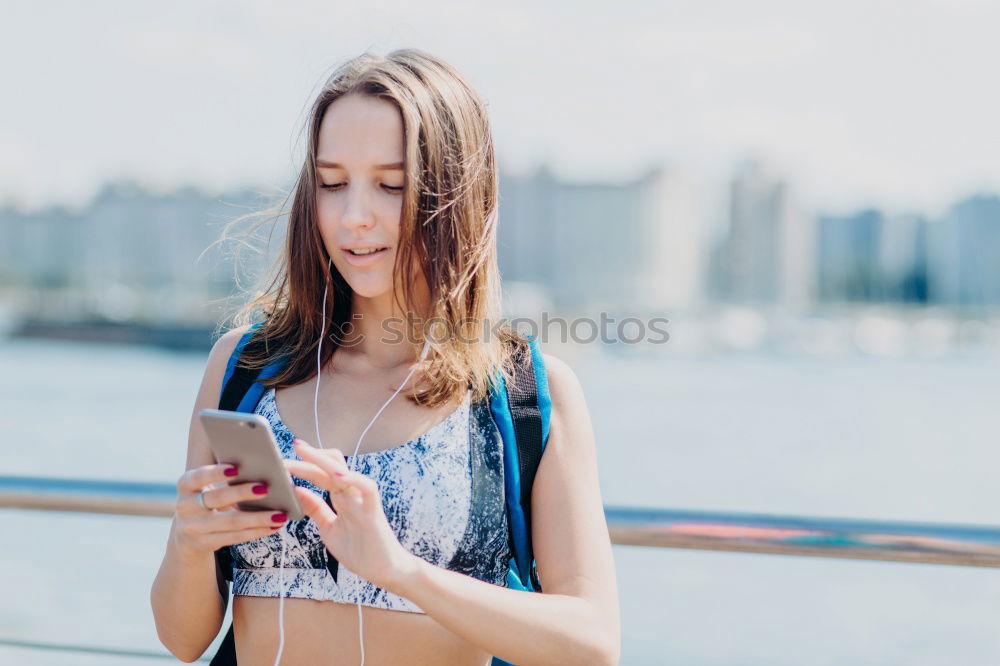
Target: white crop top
x=442, y=494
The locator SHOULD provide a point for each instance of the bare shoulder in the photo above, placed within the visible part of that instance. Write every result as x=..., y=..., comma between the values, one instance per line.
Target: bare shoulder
x=554, y=364
x=209, y=393
x=568, y=402
x=227, y=342
x=218, y=358
x=570, y=449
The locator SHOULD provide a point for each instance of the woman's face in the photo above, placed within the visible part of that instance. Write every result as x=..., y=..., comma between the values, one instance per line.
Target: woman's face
x=359, y=196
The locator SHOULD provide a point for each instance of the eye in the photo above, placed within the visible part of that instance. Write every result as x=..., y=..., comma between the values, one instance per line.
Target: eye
x=337, y=186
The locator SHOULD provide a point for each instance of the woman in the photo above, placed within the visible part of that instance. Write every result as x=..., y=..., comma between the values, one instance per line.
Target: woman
x=398, y=193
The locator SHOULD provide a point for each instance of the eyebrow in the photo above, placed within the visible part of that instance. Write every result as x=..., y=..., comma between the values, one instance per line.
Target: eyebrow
x=323, y=164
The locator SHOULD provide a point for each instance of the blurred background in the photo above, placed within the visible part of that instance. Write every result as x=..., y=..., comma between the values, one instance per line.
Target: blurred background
x=808, y=192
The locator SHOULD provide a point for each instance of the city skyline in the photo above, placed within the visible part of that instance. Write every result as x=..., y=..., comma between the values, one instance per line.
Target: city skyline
x=641, y=245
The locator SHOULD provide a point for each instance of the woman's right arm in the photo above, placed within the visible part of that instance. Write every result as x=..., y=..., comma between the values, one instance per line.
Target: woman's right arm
x=189, y=595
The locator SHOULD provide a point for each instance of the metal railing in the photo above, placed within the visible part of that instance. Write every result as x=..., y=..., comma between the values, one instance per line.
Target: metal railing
x=963, y=545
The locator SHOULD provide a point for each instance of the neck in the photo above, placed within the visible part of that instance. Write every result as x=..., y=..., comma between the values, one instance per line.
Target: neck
x=380, y=332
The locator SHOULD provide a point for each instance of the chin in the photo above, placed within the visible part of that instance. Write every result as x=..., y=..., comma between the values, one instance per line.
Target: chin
x=368, y=289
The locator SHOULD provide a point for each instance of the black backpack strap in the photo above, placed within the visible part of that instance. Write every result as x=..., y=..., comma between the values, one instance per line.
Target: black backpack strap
x=226, y=656
x=522, y=397
x=332, y=565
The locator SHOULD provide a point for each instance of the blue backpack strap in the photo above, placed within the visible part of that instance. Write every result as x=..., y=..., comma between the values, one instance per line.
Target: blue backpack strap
x=522, y=413
x=241, y=391
x=241, y=387
x=231, y=364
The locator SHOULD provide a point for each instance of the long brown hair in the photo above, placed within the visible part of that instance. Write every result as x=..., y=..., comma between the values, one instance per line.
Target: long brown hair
x=448, y=228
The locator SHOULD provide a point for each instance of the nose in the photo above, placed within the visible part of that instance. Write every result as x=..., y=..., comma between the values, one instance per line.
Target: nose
x=358, y=212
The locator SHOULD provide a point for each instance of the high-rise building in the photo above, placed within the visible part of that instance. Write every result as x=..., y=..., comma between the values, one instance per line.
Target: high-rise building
x=964, y=253
x=871, y=256
x=673, y=270
x=902, y=257
x=767, y=253
x=847, y=256
x=631, y=245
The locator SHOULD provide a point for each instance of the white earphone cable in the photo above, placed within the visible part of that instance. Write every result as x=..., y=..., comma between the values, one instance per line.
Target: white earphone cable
x=281, y=569
x=361, y=642
x=319, y=441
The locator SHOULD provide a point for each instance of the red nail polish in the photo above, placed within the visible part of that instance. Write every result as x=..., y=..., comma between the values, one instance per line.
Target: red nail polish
x=279, y=517
x=232, y=471
x=260, y=489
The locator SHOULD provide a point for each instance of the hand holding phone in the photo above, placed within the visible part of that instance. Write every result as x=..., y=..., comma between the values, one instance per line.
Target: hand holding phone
x=246, y=440
x=207, y=488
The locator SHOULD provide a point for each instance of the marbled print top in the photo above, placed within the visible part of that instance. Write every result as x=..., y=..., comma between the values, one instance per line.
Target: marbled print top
x=443, y=496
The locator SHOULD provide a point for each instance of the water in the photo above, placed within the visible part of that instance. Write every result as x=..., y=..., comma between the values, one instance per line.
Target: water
x=859, y=437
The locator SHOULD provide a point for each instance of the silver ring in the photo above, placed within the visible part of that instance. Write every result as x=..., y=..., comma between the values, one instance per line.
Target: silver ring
x=201, y=501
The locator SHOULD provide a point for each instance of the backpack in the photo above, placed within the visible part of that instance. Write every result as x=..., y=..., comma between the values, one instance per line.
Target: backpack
x=521, y=412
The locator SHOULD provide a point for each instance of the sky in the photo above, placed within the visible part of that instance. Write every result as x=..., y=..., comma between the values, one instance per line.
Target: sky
x=888, y=103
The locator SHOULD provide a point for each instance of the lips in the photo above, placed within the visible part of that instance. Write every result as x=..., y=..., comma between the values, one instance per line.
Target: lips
x=361, y=252
x=364, y=259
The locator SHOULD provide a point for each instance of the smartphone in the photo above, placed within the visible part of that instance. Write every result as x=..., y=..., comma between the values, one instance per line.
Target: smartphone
x=246, y=440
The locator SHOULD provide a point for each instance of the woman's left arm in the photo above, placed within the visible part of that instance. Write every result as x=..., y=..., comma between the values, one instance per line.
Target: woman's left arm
x=575, y=620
